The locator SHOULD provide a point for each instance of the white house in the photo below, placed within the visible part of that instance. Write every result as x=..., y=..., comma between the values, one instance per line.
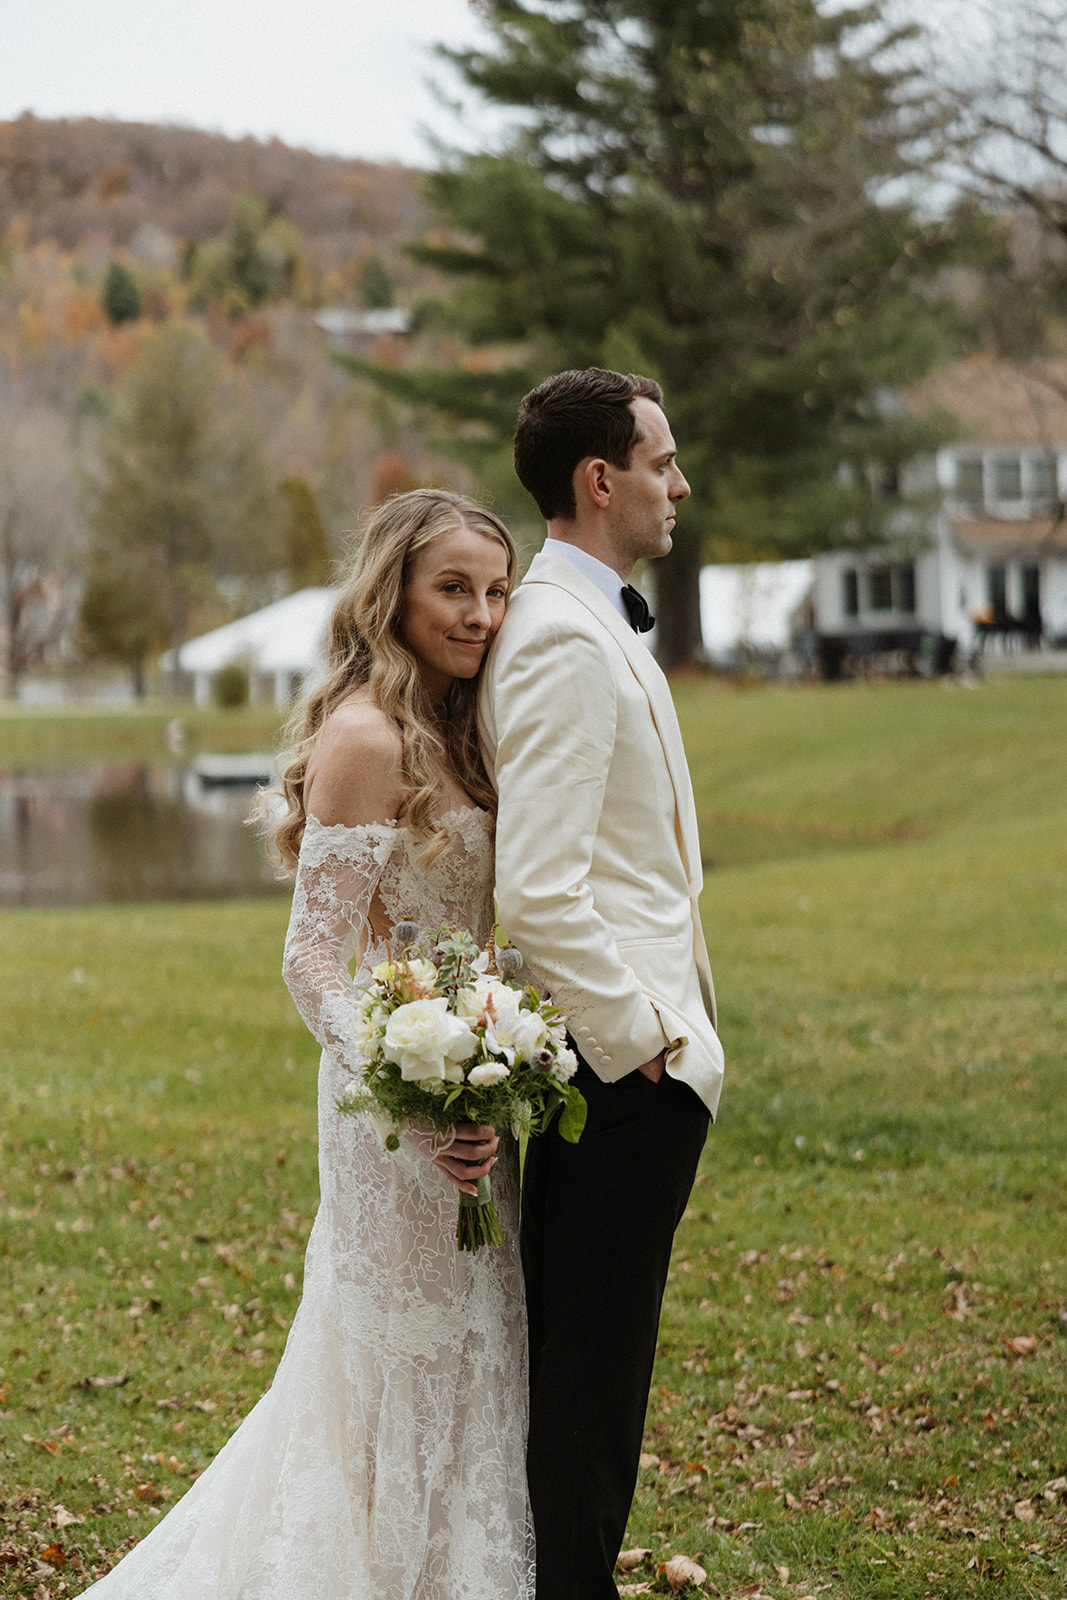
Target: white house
x=984, y=565
x=279, y=647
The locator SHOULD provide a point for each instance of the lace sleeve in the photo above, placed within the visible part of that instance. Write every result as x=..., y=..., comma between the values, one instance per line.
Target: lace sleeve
x=336, y=877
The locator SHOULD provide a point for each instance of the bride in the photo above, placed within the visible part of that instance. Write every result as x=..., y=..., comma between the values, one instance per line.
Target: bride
x=386, y=1460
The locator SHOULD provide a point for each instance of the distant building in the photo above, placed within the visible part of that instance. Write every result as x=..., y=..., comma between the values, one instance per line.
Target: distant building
x=982, y=566
x=349, y=329
x=279, y=647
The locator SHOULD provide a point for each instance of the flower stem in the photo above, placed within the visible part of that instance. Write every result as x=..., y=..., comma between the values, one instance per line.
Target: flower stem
x=477, y=1222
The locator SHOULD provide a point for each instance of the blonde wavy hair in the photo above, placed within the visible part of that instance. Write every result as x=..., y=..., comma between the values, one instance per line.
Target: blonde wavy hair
x=366, y=648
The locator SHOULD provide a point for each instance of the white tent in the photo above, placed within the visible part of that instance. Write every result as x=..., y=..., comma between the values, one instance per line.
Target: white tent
x=279, y=647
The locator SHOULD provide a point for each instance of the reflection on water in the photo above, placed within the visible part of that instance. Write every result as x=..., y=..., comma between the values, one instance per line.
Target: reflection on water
x=126, y=833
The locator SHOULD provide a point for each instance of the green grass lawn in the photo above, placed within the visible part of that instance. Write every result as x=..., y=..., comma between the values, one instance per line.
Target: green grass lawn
x=860, y=1385
x=68, y=737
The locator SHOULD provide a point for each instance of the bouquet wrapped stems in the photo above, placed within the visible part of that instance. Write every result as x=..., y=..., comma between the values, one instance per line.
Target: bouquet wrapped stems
x=477, y=1222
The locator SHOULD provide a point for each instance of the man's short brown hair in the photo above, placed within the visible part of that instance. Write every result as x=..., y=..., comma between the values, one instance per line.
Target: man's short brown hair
x=580, y=413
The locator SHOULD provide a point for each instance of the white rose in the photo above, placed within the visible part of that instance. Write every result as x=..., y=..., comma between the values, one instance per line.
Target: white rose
x=487, y=997
x=565, y=1065
x=425, y=1040
x=422, y=971
x=504, y=999
x=472, y=999
x=486, y=1076
x=516, y=1038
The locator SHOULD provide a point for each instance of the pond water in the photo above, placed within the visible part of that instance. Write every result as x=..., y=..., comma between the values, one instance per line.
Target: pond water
x=122, y=833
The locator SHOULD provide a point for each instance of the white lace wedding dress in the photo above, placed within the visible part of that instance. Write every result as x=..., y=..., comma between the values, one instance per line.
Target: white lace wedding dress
x=386, y=1460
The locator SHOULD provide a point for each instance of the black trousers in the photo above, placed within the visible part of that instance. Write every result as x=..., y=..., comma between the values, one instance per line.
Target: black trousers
x=597, y=1228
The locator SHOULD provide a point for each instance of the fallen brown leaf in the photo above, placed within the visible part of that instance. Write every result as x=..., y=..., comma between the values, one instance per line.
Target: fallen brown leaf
x=1024, y=1511
x=627, y=1560
x=62, y=1518
x=53, y=1446
x=680, y=1571
x=55, y=1555
x=1024, y=1345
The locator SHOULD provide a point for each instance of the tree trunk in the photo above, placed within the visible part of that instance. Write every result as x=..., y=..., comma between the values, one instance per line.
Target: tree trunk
x=678, y=632
x=9, y=688
x=179, y=614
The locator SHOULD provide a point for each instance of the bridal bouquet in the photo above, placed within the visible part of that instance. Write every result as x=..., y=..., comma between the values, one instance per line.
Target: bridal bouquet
x=451, y=1037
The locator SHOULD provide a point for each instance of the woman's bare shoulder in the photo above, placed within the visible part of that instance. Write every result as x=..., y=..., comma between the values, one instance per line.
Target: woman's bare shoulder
x=355, y=769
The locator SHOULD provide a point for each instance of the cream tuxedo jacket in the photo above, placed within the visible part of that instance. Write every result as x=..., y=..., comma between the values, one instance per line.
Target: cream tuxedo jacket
x=598, y=861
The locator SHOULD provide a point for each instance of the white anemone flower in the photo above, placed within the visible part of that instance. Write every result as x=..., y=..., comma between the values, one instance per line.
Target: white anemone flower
x=517, y=1037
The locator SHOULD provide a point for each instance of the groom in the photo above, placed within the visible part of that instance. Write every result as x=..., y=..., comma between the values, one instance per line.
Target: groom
x=598, y=872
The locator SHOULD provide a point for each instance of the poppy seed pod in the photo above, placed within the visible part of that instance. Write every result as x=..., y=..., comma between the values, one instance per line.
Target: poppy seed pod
x=508, y=962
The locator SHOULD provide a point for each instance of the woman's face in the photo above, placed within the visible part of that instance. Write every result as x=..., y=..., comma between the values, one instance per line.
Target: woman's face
x=452, y=605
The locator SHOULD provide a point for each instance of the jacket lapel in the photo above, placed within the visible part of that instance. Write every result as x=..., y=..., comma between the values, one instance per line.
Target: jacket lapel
x=554, y=570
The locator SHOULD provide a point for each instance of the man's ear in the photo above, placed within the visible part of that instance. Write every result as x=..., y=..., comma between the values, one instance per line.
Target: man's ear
x=595, y=476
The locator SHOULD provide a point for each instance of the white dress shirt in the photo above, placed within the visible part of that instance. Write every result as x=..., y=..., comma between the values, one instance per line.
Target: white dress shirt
x=606, y=578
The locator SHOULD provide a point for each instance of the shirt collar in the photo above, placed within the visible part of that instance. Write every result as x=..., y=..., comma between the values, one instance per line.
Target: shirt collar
x=606, y=578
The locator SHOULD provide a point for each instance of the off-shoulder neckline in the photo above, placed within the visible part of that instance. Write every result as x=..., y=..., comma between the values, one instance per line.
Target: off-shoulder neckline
x=454, y=814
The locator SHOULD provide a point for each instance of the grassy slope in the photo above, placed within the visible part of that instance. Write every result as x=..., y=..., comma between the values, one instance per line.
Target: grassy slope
x=837, y=1405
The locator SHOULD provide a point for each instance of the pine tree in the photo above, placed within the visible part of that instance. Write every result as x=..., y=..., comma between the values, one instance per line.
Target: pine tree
x=308, y=559
x=375, y=284
x=120, y=297
x=716, y=193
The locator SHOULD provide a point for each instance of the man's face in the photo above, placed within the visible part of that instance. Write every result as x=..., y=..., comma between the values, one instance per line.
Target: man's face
x=645, y=494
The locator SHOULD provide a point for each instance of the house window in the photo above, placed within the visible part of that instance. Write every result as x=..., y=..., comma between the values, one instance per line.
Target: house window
x=1007, y=478
x=887, y=480
x=850, y=592
x=969, y=480
x=880, y=589
x=997, y=590
x=1042, y=481
x=1031, y=587
x=904, y=587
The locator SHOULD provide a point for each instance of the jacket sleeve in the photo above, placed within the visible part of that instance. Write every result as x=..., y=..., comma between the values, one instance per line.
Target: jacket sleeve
x=553, y=711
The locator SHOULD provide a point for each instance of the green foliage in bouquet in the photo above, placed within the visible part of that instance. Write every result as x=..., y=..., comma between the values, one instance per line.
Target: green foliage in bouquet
x=447, y=1039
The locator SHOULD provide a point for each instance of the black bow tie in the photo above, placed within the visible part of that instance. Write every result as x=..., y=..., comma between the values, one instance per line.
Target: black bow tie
x=641, y=618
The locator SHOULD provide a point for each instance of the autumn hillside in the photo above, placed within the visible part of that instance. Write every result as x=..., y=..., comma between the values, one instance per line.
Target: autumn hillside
x=104, y=184
x=151, y=273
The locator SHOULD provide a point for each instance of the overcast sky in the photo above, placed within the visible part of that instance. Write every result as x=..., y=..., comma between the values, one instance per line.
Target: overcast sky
x=347, y=77
x=340, y=76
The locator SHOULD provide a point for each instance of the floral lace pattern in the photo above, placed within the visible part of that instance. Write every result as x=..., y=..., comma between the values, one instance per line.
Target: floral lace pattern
x=386, y=1460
